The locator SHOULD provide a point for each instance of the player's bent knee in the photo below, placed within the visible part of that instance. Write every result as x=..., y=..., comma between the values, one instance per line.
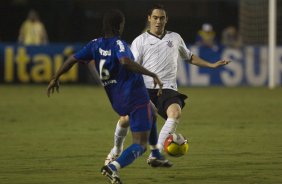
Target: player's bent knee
x=174, y=114
x=124, y=121
x=174, y=111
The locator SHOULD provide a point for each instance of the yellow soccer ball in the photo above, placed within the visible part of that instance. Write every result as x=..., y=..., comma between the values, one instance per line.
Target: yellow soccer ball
x=176, y=145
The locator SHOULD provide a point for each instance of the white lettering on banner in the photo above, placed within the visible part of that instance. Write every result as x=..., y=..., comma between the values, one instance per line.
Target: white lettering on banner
x=233, y=76
x=249, y=66
x=197, y=78
x=252, y=78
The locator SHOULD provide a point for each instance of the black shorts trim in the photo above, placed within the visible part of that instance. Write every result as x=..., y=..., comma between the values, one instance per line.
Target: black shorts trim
x=167, y=98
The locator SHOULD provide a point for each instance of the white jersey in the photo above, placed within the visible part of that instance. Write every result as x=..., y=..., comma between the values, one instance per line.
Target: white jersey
x=160, y=55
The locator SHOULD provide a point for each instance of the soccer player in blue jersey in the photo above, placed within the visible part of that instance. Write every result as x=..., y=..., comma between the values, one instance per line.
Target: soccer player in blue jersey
x=124, y=85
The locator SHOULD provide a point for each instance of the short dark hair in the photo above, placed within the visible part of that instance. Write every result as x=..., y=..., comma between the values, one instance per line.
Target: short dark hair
x=112, y=20
x=156, y=6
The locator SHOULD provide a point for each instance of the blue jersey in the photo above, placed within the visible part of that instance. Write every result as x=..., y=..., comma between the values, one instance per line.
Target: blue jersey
x=125, y=89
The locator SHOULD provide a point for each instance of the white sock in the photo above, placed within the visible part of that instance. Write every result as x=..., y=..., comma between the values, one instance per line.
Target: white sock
x=120, y=134
x=169, y=127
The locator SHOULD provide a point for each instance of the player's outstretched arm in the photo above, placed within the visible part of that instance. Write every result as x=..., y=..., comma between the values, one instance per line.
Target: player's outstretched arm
x=134, y=67
x=54, y=83
x=201, y=62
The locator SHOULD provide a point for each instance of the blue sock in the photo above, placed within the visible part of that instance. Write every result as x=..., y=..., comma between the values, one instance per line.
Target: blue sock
x=156, y=153
x=153, y=140
x=130, y=154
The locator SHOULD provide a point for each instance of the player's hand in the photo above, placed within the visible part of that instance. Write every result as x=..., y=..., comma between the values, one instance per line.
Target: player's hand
x=51, y=87
x=220, y=63
x=157, y=81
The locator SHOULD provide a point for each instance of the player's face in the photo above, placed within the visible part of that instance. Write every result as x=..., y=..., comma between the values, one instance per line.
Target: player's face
x=157, y=21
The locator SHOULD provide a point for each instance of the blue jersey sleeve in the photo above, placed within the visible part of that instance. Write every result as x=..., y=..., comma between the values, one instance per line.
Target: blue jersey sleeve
x=122, y=50
x=86, y=54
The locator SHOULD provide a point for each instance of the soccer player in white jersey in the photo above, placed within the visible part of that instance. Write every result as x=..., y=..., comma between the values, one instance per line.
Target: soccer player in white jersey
x=158, y=50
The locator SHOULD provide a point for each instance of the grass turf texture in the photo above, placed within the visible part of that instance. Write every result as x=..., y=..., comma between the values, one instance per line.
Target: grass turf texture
x=235, y=137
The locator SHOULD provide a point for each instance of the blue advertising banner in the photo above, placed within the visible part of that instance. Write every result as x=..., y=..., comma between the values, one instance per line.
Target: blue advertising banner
x=249, y=67
x=37, y=64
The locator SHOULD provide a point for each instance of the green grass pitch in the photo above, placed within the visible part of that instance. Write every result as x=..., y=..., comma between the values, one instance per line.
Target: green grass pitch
x=235, y=137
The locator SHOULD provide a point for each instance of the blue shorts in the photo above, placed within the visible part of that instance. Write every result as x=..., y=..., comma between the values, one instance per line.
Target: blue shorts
x=141, y=118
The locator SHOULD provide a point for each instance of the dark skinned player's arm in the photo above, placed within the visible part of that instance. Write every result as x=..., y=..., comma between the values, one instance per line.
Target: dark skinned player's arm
x=135, y=67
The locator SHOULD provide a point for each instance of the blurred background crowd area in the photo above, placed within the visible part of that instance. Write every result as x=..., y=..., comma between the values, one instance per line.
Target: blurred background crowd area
x=80, y=20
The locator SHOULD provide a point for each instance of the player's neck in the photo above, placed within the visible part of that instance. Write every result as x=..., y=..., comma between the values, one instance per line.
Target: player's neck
x=157, y=34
